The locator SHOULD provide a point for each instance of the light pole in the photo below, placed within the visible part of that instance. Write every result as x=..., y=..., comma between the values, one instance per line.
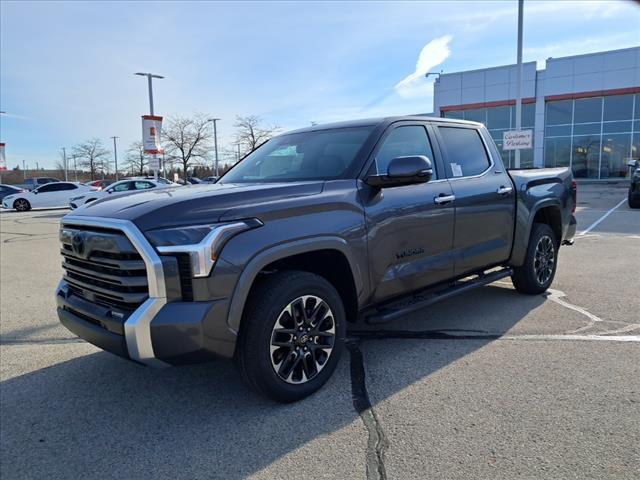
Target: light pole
x=150, y=77
x=215, y=142
x=75, y=168
x=519, y=80
x=115, y=155
x=24, y=170
x=238, y=145
x=64, y=160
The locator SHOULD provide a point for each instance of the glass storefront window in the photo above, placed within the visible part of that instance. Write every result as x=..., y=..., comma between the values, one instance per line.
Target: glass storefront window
x=587, y=129
x=557, y=152
x=586, y=156
x=587, y=110
x=618, y=107
x=559, y=113
x=498, y=117
x=635, y=146
x=616, y=127
x=528, y=115
x=615, y=155
x=598, y=133
x=453, y=114
x=558, y=131
x=479, y=115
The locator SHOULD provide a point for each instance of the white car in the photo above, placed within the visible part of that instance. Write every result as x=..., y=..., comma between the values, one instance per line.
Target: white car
x=54, y=194
x=122, y=187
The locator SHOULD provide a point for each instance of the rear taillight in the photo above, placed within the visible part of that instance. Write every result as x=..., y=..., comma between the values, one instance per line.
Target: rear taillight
x=574, y=194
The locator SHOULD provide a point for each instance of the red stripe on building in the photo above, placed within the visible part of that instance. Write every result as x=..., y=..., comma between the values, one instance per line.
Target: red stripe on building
x=595, y=93
x=499, y=103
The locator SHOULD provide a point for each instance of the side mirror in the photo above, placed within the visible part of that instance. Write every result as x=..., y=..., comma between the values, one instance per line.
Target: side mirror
x=35, y=192
x=404, y=171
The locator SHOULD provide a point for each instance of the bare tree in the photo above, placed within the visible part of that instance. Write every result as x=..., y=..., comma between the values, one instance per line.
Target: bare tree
x=93, y=156
x=251, y=133
x=187, y=140
x=136, y=160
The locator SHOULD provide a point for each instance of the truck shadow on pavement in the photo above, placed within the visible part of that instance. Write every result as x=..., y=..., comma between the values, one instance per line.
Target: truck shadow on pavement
x=101, y=416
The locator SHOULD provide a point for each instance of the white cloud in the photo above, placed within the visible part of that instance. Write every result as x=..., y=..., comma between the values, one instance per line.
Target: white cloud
x=432, y=54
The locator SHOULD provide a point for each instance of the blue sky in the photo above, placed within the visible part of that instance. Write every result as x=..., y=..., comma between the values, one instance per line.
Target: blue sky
x=66, y=68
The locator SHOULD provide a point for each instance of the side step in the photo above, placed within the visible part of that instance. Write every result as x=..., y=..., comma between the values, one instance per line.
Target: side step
x=404, y=306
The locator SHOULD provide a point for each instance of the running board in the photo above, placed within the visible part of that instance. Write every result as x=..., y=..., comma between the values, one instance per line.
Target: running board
x=416, y=302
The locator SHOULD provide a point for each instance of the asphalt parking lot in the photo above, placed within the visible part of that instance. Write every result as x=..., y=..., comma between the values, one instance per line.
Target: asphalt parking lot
x=492, y=384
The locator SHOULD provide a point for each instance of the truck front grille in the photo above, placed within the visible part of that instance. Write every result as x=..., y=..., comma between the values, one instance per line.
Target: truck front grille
x=103, y=267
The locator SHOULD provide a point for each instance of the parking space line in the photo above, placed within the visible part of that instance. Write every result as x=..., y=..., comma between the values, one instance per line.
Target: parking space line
x=597, y=222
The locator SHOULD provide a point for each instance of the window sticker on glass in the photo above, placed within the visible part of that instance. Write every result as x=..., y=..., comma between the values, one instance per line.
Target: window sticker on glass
x=456, y=170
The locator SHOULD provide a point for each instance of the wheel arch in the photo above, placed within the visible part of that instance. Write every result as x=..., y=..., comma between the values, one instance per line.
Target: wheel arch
x=24, y=200
x=550, y=215
x=548, y=211
x=311, y=255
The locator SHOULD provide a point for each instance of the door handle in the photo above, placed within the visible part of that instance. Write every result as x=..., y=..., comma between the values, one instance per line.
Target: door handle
x=442, y=198
x=504, y=190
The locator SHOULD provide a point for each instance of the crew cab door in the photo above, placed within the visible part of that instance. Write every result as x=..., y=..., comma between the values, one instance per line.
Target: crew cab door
x=49, y=195
x=484, y=199
x=410, y=234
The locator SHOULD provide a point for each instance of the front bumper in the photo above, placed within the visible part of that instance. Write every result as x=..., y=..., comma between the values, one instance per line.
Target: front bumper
x=180, y=332
x=162, y=330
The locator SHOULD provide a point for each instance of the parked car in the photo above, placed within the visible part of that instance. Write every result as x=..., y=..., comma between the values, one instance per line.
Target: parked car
x=121, y=187
x=194, y=181
x=362, y=221
x=100, y=184
x=634, y=187
x=53, y=194
x=8, y=190
x=35, y=182
x=210, y=179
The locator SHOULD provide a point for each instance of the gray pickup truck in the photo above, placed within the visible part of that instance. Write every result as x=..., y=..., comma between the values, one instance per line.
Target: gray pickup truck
x=316, y=230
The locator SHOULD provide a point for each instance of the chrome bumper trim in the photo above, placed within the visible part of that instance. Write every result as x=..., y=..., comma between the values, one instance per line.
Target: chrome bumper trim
x=137, y=328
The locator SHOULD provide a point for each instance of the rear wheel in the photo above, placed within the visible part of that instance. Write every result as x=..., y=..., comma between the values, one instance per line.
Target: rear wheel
x=539, y=268
x=292, y=335
x=634, y=201
x=22, y=205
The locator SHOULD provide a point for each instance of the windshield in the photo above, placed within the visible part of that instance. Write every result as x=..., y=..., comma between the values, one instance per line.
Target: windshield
x=318, y=155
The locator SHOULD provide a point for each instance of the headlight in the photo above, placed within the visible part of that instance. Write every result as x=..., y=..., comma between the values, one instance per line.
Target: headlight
x=203, y=243
x=9, y=197
x=73, y=199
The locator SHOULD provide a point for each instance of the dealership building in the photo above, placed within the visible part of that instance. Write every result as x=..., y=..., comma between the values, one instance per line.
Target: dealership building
x=584, y=110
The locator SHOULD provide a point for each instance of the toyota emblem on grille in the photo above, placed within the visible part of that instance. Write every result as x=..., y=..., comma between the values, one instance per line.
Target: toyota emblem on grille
x=77, y=243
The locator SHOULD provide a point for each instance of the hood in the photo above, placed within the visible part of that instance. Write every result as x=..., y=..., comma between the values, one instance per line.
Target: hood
x=194, y=204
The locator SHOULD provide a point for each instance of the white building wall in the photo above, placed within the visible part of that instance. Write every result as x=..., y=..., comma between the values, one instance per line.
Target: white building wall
x=595, y=72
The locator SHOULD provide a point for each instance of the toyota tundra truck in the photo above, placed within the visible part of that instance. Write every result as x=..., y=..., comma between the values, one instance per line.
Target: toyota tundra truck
x=315, y=231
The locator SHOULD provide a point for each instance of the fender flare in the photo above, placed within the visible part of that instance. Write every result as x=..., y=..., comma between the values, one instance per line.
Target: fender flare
x=278, y=252
x=521, y=238
x=547, y=202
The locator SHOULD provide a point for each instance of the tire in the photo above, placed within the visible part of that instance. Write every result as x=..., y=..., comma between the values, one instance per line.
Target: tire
x=22, y=205
x=265, y=367
x=634, y=202
x=539, y=267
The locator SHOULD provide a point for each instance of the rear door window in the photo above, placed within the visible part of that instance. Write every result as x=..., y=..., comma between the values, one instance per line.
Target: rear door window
x=465, y=152
x=143, y=185
x=122, y=187
x=49, y=187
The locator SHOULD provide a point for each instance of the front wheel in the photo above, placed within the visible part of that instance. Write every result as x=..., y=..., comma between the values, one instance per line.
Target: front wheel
x=292, y=335
x=539, y=268
x=634, y=201
x=22, y=205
